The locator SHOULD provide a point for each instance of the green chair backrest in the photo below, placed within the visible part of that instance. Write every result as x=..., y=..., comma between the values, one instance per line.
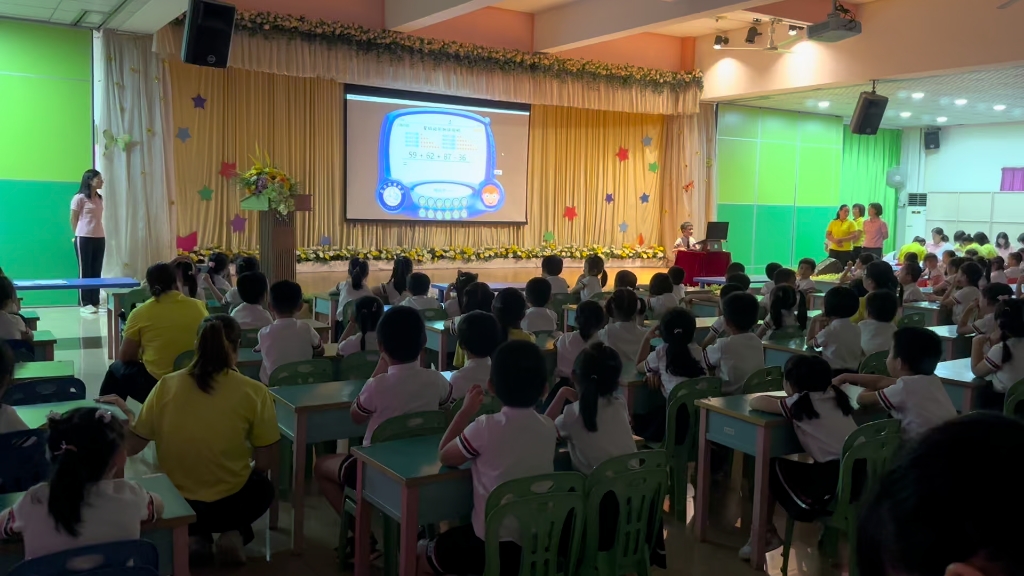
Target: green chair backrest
x=1014, y=396
x=133, y=298
x=872, y=430
x=250, y=338
x=875, y=364
x=683, y=396
x=601, y=296
x=787, y=333
x=531, y=486
x=540, y=521
x=358, y=365
x=876, y=452
x=302, y=372
x=184, y=359
x=916, y=319
x=491, y=405
x=346, y=312
x=764, y=380
x=639, y=482
x=410, y=426
x=433, y=314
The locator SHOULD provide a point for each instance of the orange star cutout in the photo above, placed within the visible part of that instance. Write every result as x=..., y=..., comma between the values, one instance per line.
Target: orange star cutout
x=640, y=240
x=689, y=186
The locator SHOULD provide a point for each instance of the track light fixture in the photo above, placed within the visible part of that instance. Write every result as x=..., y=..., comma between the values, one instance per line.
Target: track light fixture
x=721, y=41
x=752, y=34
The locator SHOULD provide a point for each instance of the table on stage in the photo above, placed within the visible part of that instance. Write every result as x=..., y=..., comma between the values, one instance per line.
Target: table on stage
x=697, y=263
x=76, y=284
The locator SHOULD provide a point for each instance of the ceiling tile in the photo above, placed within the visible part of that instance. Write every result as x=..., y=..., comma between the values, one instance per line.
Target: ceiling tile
x=65, y=16
x=34, y=3
x=31, y=12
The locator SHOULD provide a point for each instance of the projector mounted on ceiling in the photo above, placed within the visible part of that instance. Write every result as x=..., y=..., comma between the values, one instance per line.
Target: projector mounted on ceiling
x=841, y=24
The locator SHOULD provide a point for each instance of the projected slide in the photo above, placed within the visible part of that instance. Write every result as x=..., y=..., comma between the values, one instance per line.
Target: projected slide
x=435, y=162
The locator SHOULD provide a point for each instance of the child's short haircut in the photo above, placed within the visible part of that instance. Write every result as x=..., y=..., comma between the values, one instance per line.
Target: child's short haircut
x=950, y=253
x=738, y=278
x=519, y=374
x=625, y=279
x=286, y=297
x=551, y=265
x=971, y=253
x=866, y=258
x=538, y=292
x=418, y=284
x=735, y=268
x=913, y=270
x=478, y=333
x=931, y=257
x=908, y=526
x=401, y=334
x=1014, y=258
x=920, y=349
x=808, y=262
x=973, y=272
x=784, y=276
x=740, y=310
x=911, y=257
x=247, y=264
x=677, y=275
x=252, y=287
x=478, y=296
x=661, y=284
x=771, y=269
x=730, y=289
x=841, y=302
x=882, y=305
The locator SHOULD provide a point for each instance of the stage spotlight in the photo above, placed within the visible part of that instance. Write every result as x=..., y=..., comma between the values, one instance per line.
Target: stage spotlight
x=752, y=34
x=721, y=41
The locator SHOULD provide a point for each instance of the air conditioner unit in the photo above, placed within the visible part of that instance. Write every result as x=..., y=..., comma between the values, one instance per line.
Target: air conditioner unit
x=916, y=220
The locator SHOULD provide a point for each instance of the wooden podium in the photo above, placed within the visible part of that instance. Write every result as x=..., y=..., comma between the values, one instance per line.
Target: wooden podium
x=277, y=241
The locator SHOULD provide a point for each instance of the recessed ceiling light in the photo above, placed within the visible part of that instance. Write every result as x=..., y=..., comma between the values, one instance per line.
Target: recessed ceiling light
x=905, y=114
x=941, y=119
x=824, y=104
x=960, y=101
x=917, y=95
x=999, y=107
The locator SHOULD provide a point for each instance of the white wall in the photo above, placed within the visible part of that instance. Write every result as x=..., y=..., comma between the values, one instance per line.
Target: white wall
x=972, y=158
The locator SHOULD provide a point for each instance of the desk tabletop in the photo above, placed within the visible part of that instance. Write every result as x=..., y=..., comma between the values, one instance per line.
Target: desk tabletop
x=739, y=407
x=434, y=325
x=322, y=396
x=316, y=324
x=30, y=314
x=754, y=279
x=336, y=296
x=43, y=337
x=922, y=306
x=35, y=370
x=34, y=416
x=948, y=332
x=958, y=373
x=410, y=461
x=795, y=345
x=76, y=284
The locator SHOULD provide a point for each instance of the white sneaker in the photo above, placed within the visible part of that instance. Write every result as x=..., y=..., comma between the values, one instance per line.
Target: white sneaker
x=90, y=309
x=229, y=550
x=772, y=541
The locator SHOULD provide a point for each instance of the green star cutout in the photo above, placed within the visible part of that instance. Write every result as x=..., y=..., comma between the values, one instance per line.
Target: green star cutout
x=206, y=194
x=653, y=167
x=549, y=237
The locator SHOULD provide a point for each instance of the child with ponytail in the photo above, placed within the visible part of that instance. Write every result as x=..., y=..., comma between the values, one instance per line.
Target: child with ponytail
x=82, y=504
x=361, y=332
x=788, y=308
x=622, y=332
x=965, y=289
x=979, y=316
x=589, y=319
x=593, y=279
x=355, y=287
x=1005, y=360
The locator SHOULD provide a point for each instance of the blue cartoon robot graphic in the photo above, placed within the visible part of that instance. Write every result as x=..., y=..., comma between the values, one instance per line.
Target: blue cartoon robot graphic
x=437, y=164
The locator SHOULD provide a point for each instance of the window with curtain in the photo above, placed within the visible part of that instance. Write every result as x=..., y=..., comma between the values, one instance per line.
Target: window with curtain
x=1013, y=180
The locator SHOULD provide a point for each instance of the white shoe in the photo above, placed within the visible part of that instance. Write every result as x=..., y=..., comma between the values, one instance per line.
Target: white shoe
x=229, y=550
x=772, y=541
x=90, y=309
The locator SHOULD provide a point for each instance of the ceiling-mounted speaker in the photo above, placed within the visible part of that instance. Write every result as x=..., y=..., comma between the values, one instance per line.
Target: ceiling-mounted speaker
x=931, y=140
x=208, y=28
x=867, y=117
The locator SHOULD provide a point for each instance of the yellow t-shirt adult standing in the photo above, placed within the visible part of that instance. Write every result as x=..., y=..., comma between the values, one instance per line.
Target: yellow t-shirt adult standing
x=166, y=327
x=859, y=242
x=841, y=229
x=204, y=441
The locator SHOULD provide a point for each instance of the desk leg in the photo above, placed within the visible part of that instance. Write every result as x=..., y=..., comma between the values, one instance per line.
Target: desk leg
x=969, y=401
x=275, y=481
x=565, y=321
x=442, y=354
x=116, y=334
x=179, y=542
x=48, y=352
x=299, y=483
x=110, y=332
x=630, y=399
x=362, y=529
x=703, y=496
x=761, y=519
x=409, y=531
x=333, y=321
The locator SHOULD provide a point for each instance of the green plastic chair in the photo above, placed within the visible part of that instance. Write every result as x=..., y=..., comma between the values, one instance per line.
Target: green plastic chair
x=787, y=333
x=680, y=455
x=875, y=364
x=530, y=486
x=491, y=405
x=302, y=372
x=916, y=319
x=540, y=520
x=250, y=338
x=764, y=380
x=433, y=314
x=133, y=298
x=358, y=365
x=1014, y=396
x=184, y=359
x=558, y=303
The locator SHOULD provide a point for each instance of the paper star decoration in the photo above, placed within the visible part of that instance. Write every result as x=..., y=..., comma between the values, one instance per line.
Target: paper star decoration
x=183, y=135
x=645, y=198
x=689, y=186
x=609, y=198
x=549, y=237
x=238, y=224
x=198, y=101
x=623, y=227
x=648, y=141
x=640, y=240
x=325, y=240
x=622, y=154
x=228, y=169
x=206, y=193
x=653, y=167
x=188, y=243
x=570, y=213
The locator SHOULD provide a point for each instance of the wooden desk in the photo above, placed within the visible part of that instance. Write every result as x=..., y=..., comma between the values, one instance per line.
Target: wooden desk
x=405, y=480
x=320, y=328
x=960, y=383
x=954, y=346
x=325, y=309
x=933, y=313
x=442, y=288
x=169, y=533
x=440, y=340
x=36, y=370
x=44, y=341
x=777, y=352
x=35, y=416
x=114, y=297
x=306, y=414
x=31, y=319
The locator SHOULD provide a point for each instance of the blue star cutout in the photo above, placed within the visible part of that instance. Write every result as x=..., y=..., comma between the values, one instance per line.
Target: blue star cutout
x=325, y=240
x=198, y=101
x=645, y=198
x=623, y=227
x=183, y=135
x=609, y=198
x=648, y=141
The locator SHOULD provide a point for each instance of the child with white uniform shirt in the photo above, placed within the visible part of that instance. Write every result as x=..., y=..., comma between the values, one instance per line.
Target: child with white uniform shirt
x=12, y=325
x=590, y=319
x=361, y=332
x=478, y=339
x=242, y=265
x=1005, y=360
x=737, y=357
x=419, y=288
x=677, y=275
x=288, y=339
x=250, y=314
x=965, y=289
x=538, y=317
x=355, y=287
x=877, y=330
x=622, y=332
x=832, y=331
x=908, y=276
x=551, y=270
x=662, y=299
x=593, y=279
x=718, y=329
x=804, y=270
x=979, y=316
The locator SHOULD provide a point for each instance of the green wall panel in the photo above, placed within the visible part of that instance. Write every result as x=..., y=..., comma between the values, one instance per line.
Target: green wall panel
x=737, y=171
x=35, y=237
x=821, y=130
x=773, y=236
x=817, y=181
x=779, y=126
x=738, y=122
x=776, y=178
x=43, y=50
x=741, y=230
x=812, y=221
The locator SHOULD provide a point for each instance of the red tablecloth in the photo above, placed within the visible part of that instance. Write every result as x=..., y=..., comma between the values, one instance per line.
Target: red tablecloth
x=698, y=264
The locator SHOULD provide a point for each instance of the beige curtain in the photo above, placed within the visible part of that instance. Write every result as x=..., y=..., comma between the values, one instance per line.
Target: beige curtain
x=689, y=182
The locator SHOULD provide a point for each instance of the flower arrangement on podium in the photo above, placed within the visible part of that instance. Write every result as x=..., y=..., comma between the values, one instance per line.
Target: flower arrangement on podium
x=267, y=188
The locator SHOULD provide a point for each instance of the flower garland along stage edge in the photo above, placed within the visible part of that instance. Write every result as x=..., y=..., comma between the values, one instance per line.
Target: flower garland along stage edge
x=397, y=45
x=452, y=254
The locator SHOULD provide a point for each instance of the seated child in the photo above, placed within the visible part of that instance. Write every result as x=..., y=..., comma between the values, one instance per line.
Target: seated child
x=242, y=265
x=738, y=278
x=877, y=276
x=718, y=329
x=947, y=255
x=538, y=317
x=782, y=276
x=188, y=281
x=12, y=325
x=948, y=283
x=678, y=276
x=515, y=443
x=913, y=394
x=804, y=270
x=979, y=316
x=1013, y=264
x=822, y=418
x=877, y=330
x=456, y=292
x=735, y=268
x=361, y=331
x=509, y=309
x=832, y=331
x=622, y=332
x=737, y=357
x=589, y=320
x=908, y=276
x=769, y=272
x=966, y=290
x=1004, y=362
x=83, y=504
x=855, y=270
x=551, y=270
x=788, y=309
x=478, y=339
x=9, y=419
x=931, y=271
x=355, y=287
x=908, y=527
x=419, y=290
x=219, y=272
x=288, y=339
x=663, y=298
x=625, y=279
x=477, y=296
x=398, y=386
x=592, y=281
x=997, y=271
x=252, y=289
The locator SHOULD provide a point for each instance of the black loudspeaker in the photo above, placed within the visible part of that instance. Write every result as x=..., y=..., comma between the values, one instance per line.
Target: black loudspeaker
x=828, y=266
x=931, y=140
x=208, y=28
x=867, y=117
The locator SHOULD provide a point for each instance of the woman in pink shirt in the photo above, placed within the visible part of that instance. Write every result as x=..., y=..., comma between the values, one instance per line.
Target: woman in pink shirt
x=876, y=231
x=87, y=224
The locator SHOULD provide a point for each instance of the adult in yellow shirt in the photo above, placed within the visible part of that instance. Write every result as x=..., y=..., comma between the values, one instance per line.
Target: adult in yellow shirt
x=156, y=333
x=984, y=246
x=840, y=235
x=209, y=423
x=858, y=220
x=916, y=247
